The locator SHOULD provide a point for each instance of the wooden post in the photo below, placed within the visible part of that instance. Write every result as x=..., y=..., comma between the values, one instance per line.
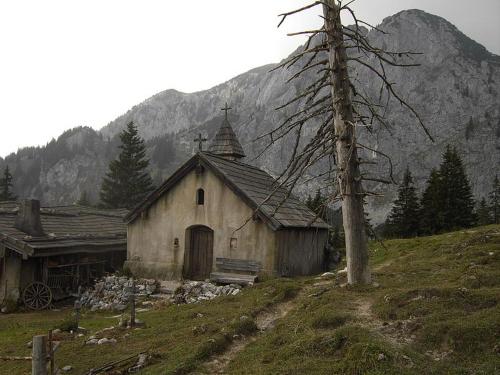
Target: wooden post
x=77, y=313
x=132, y=305
x=51, y=353
x=39, y=355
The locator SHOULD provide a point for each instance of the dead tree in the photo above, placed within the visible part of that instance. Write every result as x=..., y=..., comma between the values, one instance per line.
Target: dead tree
x=342, y=108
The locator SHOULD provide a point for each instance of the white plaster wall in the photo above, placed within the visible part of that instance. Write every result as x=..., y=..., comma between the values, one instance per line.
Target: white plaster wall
x=150, y=238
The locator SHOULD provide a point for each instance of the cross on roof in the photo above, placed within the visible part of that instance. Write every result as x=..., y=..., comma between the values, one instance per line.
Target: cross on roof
x=226, y=108
x=200, y=141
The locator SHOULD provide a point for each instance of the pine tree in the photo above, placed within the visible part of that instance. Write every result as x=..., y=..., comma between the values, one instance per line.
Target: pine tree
x=127, y=181
x=456, y=192
x=494, y=198
x=431, y=205
x=403, y=220
x=317, y=204
x=483, y=213
x=6, y=186
x=337, y=238
x=309, y=202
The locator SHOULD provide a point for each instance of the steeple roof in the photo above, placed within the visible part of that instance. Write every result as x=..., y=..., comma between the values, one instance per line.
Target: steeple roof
x=225, y=142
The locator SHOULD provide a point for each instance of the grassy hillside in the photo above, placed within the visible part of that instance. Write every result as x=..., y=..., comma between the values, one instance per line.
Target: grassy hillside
x=434, y=309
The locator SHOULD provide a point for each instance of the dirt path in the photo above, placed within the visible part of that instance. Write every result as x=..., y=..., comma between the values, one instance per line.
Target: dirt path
x=266, y=320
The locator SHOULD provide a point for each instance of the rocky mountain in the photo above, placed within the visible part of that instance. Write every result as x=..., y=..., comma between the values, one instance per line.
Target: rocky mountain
x=455, y=90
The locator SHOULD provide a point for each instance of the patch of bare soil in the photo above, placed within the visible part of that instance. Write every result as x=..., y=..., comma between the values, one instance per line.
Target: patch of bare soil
x=397, y=333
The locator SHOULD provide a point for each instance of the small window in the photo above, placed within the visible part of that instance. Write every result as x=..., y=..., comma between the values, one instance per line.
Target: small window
x=200, y=196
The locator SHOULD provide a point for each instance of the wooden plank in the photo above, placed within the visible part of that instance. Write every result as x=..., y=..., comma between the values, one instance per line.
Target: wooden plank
x=232, y=278
x=238, y=264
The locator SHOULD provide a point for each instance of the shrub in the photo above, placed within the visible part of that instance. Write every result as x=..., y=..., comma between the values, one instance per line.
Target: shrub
x=69, y=324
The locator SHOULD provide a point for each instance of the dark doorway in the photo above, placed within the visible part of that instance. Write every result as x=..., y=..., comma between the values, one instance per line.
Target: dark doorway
x=199, y=252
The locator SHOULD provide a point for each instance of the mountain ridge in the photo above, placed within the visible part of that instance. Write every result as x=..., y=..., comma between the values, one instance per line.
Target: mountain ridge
x=455, y=90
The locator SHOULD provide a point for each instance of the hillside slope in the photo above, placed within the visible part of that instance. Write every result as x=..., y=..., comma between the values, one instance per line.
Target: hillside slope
x=435, y=309
x=456, y=90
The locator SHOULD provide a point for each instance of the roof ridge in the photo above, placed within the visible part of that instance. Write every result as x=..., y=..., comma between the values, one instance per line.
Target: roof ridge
x=235, y=162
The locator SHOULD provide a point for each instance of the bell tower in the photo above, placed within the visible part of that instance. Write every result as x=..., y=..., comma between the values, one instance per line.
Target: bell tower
x=226, y=143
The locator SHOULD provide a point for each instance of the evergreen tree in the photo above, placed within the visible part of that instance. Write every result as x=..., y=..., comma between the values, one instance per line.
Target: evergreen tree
x=431, y=205
x=456, y=192
x=127, y=181
x=309, y=202
x=317, y=204
x=403, y=220
x=495, y=201
x=6, y=186
x=483, y=213
x=337, y=238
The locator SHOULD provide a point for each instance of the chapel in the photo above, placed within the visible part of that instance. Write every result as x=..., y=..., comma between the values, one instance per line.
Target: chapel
x=217, y=210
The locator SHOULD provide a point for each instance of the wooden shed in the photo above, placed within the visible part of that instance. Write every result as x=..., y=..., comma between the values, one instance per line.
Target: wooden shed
x=47, y=253
x=217, y=207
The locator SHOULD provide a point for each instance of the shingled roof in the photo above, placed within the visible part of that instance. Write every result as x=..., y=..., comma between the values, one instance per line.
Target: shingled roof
x=68, y=229
x=225, y=142
x=254, y=186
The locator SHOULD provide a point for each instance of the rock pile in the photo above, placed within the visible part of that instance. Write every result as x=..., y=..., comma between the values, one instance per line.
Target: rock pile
x=196, y=291
x=113, y=292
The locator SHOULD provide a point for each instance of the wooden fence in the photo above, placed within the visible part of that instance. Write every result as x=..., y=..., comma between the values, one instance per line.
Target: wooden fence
x=42, y=355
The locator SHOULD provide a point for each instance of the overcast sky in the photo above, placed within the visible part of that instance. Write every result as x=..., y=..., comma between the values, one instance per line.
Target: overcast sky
x=69, y=63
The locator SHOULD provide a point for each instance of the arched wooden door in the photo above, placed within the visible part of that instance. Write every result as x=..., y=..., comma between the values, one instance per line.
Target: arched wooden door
x=199, y=252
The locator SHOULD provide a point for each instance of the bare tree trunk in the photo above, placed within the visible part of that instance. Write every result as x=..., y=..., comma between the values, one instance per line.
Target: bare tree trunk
x=349, y=177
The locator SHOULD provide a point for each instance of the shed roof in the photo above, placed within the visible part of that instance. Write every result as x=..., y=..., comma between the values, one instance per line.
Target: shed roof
x=68, y=229
x=254, y=186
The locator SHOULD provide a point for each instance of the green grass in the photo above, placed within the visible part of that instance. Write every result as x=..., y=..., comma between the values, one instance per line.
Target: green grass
x=436, y=311
x=442, y=293
x=181, y=337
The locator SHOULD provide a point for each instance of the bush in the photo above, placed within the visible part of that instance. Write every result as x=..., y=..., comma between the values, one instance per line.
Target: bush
x=69, y=324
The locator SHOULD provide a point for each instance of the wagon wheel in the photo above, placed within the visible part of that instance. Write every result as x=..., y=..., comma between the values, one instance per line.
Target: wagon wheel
x=37, y=296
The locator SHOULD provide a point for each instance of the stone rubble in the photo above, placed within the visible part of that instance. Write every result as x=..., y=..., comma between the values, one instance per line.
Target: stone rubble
x=196, y=291
x=113, y=292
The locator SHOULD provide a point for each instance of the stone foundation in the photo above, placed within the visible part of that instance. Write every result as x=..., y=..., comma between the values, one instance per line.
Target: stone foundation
x=154, y=270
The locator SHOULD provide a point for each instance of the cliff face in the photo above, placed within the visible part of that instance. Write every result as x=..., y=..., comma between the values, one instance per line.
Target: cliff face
x=455, y=90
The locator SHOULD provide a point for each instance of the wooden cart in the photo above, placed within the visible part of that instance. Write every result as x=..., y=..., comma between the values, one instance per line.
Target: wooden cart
x=61, y=277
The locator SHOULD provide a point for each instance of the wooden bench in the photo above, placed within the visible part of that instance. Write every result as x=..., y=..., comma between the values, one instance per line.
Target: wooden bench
x=235, y=271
